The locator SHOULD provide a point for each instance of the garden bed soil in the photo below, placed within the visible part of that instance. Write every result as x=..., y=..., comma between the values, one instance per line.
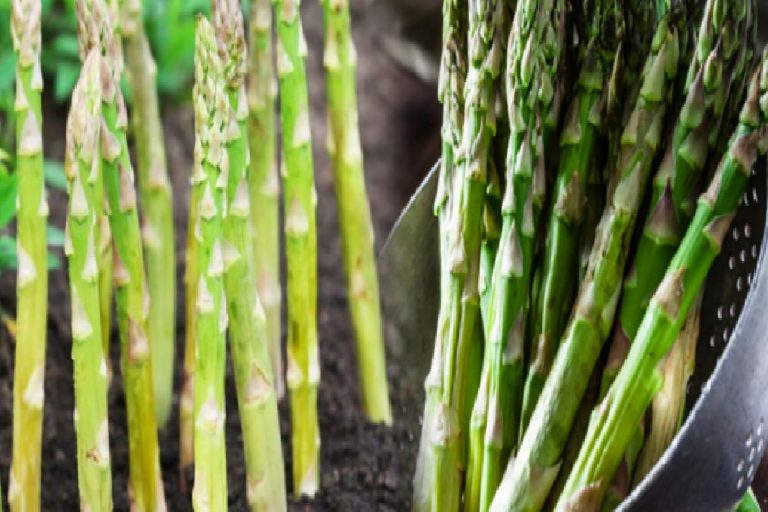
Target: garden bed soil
x=364, y=467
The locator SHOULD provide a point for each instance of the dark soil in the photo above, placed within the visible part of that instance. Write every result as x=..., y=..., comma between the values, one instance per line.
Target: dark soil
x=364, y=467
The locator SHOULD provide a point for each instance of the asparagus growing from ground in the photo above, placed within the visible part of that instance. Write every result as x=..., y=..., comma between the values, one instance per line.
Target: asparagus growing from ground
x=582, y=134
x=530, y=475
x=106, y=286
x=451, y=94
x=209, y=177
x=534, y=59
x=97, y=31
x=264, y=182
x=639, y=380
x=156, y=204
x=720, y=48
x=32, y=277
x=256, y=395
x=346, y=153
x=83, y=166
x=303, y=373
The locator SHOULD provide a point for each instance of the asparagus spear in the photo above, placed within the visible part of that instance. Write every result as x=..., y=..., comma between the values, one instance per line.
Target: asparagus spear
x=145, y=482
x=106, y=285
x=451, y=94
x=583, y=131
x=264, y=182
x=248, y=333
x=187, y=392
x=638, y=380
x=156, y=202
x=668, y=405
x=720, y=49
x=209, y=177
x=83, y=165
x=32, y=277
x=530, y=475
x=346, y=154
x=303, y=374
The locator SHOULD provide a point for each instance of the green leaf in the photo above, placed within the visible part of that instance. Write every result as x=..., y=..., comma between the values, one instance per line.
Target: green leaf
x=54, y=174
x=65, y=45
x=66, y=77
x=8, y=187
x=55, y=236
x=7, y=253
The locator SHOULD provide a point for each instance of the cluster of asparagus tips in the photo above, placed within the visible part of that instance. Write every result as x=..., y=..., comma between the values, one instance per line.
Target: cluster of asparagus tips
x=248, y=327
x=263, y=178
x=83, y=167
x=300, y=199
x=346, y=154
x=210, y=179
x=97, y=32
x=157, y=229
x=531, y=473
x=639, y=380
x=32, y=277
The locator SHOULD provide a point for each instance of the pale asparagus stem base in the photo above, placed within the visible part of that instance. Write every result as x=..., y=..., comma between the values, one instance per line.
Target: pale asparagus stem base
x=300, y=199
x=254, y=380
x=264, y=182
x=89, y=364
x=345, y=150
x=32, y=277
x=211, y=118
x=668, y=405
x=156, y=204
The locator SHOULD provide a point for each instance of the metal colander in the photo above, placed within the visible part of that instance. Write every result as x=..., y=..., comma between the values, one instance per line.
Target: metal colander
x=713, y=459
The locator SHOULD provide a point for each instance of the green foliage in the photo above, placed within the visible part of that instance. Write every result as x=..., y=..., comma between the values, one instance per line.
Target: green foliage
x=170, y=27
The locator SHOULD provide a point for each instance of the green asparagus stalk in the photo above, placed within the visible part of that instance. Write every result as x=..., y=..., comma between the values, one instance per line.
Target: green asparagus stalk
x=303, y=374
x=451, y=94
x=209, y=177
x=668, y=405
x=748, y=503
x=720, y=48
x=83, y=165
x=106, y=286
x=156, y=202
x=530, y=475
x=264, y=182
x=256, y=395
x=529, y=68
x=145, y=482
x=187, y=393
x=346, y=155
x=32, y=277
x=580, y=138
x=639, y=380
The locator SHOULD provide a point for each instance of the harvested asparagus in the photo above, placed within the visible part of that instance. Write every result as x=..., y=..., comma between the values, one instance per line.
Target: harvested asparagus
x=209, y=176
x=156, y=203
x=668, y=405
x=638, y=380
x=584, y=129
x=532, y=124
x=83, y=165
x=97, y=31
x=264, y=182
x=32, y=277
x=256, y=395
x=303, y=373
x=530, y=475
x=451, y=94
x=721, y=49
x=346, y=153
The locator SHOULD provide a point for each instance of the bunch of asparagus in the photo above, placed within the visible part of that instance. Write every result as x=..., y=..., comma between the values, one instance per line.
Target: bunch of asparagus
x=549, y=288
